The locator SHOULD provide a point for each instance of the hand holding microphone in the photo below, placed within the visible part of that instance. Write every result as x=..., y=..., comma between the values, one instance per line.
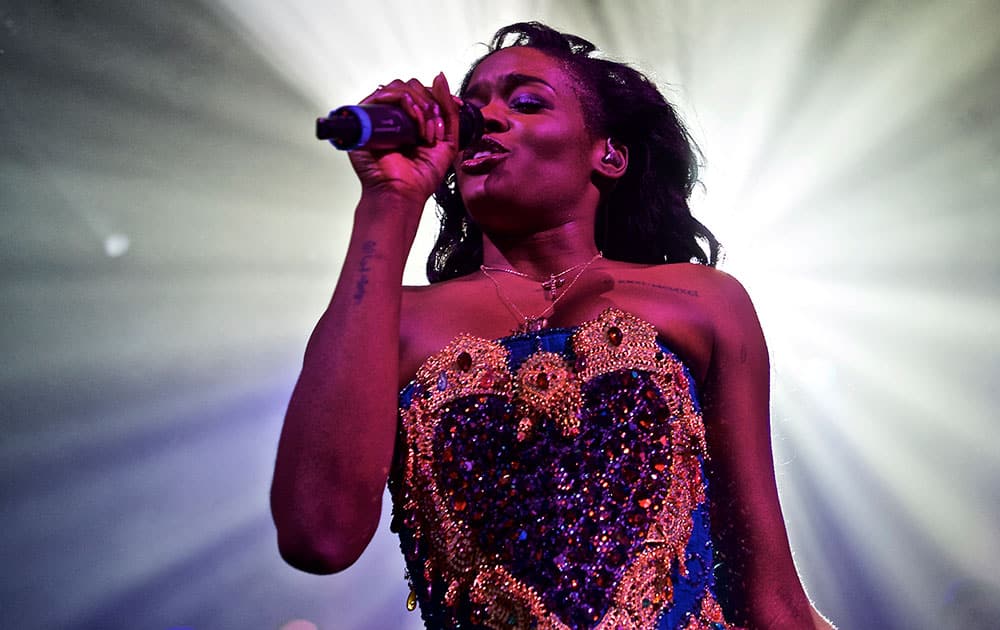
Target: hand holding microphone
x=386, y=122
x=403, y=138
x=387, y=127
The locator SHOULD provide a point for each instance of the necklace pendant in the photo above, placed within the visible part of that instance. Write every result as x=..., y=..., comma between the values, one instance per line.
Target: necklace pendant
x=552, y=286
x=532, y=324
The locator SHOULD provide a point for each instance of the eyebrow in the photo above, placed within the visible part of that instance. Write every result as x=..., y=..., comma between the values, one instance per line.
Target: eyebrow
x=507, y=83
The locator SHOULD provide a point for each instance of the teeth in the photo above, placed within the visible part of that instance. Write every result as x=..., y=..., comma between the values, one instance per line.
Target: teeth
x=480, y=154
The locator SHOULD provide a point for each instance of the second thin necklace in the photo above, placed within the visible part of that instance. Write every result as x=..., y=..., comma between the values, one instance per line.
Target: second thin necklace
x=551, y=287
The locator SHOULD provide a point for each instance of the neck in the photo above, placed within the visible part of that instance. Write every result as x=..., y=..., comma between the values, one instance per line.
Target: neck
x=540, y=254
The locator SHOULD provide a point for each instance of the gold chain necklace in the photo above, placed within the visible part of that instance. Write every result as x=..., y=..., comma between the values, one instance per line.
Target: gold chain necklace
x=550, y=285
x=541, y=320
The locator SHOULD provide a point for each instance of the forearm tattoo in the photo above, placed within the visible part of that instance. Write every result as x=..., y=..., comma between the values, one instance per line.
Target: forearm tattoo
x=368, y=251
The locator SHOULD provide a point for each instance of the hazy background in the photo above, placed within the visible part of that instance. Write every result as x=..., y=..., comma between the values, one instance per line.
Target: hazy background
x=170, y=231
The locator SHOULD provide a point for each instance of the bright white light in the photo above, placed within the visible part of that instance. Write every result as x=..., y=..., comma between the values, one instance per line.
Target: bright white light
x=851, y=153
x=836, y=141
x=116, y=245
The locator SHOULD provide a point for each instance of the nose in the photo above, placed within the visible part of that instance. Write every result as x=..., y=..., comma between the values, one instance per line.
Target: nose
x=494, y=116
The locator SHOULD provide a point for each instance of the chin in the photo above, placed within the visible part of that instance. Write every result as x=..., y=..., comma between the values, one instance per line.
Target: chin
x=485, y=194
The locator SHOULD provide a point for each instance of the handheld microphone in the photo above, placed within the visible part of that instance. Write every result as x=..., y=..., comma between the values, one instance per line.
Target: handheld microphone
x=387, y=127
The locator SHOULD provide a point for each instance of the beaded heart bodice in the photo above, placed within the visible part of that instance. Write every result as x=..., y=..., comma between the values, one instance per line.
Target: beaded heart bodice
x=554, y=480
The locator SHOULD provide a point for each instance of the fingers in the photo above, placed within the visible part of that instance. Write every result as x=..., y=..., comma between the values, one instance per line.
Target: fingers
x=432, y=110
x=448, y=104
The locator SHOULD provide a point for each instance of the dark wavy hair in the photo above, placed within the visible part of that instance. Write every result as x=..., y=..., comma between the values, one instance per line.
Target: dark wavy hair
x=645, y=217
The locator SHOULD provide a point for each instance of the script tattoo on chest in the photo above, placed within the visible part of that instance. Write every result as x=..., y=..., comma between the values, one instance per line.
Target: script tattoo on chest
x=661, y=287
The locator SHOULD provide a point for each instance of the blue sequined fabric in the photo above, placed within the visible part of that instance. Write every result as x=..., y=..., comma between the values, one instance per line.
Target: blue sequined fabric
x=554, y=480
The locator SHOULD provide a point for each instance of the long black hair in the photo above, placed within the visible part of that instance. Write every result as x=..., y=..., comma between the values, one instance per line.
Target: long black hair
x=645, y=217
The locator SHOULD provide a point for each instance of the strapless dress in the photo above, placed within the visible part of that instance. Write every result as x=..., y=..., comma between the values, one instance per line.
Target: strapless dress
x=555, y=480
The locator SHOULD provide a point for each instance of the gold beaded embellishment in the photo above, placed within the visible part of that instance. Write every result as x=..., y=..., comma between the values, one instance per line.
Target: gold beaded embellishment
x=616, y=340
x=546, y=386
x=466, y=366
x=710, y=617
x=465, y=375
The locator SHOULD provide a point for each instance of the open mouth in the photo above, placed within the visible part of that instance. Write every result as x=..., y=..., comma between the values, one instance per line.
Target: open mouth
x=483, y=155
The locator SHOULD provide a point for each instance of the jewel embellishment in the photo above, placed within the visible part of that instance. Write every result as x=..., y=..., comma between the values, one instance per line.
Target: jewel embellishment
x=557, y=496
x=467, y=365
x=547, y=389
x=552, y=286
x=614, y=336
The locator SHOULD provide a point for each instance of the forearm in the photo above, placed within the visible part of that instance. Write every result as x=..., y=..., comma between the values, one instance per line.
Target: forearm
x=337, y=440
x=795, y=613
x=820, y=622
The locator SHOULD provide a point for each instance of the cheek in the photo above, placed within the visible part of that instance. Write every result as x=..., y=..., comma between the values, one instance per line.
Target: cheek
x=561, y=149
x=551, y=140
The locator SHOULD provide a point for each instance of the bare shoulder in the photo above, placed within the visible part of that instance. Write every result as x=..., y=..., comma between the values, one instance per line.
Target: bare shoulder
x=441, y=305
x=433, y=315
x=688, y=304
x=432, y=307
x=726, y=304
x=702, y=280
x=716, y=299
x=702, y=289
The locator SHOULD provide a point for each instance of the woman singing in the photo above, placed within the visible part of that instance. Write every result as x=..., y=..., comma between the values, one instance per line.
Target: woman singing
x=582, y=438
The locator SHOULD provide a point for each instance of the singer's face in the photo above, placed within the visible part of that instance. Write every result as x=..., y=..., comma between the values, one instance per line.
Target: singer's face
x=533, y=168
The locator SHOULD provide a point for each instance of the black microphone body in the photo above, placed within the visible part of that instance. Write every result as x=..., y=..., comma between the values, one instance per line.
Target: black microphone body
x=387, y=127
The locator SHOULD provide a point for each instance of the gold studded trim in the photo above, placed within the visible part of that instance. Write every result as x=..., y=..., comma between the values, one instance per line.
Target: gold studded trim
x=710, y=617
x=616, y=340
x=547, y=386
x=502, y=602
x=644, y=591
x=468, y=365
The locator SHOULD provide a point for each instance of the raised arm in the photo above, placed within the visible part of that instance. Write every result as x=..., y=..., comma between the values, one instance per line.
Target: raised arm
x=754, y=554
x=337, y=440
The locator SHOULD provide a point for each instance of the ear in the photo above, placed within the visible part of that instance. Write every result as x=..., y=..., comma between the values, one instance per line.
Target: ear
x=610, y=158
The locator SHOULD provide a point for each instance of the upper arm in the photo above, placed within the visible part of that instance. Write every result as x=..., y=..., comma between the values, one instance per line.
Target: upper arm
x=754, y=554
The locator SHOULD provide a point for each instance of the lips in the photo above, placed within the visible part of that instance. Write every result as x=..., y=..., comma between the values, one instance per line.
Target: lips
x=483, y=155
